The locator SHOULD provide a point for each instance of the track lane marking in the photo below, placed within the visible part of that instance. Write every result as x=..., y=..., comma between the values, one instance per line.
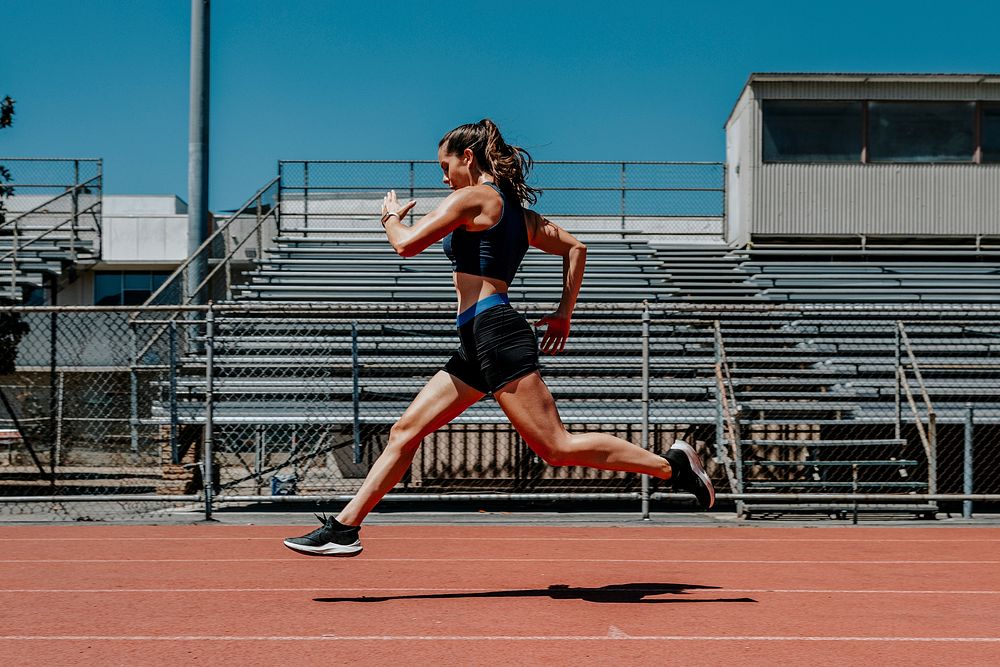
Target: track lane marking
x=473, y=638
x=314, y=589
x=119, y=561
x=377, y=538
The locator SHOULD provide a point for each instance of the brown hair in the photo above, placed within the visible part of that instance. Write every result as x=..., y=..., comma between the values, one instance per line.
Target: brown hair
x=509, y=165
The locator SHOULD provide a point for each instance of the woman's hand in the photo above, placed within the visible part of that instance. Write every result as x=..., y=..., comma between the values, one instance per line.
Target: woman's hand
x=554, y=339
x=391, y=205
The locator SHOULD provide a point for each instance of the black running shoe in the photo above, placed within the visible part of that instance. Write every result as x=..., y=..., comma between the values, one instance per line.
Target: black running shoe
x=688, y=473
x=331, y=539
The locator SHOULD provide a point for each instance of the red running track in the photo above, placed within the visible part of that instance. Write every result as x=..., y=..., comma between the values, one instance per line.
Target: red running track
x=480, y=595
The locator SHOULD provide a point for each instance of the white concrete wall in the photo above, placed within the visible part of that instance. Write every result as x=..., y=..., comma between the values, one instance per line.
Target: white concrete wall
x=144, y=228
x=739, y=171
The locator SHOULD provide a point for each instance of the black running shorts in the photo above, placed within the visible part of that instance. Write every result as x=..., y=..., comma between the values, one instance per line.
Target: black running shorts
x=497, y=346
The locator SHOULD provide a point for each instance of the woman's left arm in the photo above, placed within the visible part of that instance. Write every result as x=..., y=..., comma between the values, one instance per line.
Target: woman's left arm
x=409, y=240
x=552, y=239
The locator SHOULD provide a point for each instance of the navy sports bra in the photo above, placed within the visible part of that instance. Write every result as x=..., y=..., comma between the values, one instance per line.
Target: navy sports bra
x=495, y=252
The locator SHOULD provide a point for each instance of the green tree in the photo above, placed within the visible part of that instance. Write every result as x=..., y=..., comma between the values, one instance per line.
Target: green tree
x=6, y=120
x=11, y=326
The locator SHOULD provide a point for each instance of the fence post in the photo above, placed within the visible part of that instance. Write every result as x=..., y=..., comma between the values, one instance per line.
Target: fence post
x=133, y=382
x=413, y=182
x=623, y=195
x=279, y=194
x=967, y=462
x=206, y=464
x=259, y=233
x=932, y=462
x=53, y=349
x=645, y=404
x=13, y=259
x=60, y=395
x=720, y=426
x=356, y=392
x=305, y=196
x=76, y=208
x=897, y=396
x=175, y=457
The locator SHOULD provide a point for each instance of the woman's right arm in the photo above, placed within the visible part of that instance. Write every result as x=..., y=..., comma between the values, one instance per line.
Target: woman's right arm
x=409, y=240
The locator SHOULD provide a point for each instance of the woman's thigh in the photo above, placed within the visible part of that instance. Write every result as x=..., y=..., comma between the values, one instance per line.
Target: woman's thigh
x=530, y=407
x=443, y=398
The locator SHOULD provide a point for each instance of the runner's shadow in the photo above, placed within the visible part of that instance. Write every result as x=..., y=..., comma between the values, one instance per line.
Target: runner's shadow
x=619, y=593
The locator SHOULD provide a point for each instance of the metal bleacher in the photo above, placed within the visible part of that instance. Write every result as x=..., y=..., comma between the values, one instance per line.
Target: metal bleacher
x=818, y=404
x=49, y=239
x=324, y=265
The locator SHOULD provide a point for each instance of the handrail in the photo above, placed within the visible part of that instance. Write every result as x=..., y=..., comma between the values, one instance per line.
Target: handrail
x=182, y=269
x=929, y=437
x=727, y=393
x=48, y=231
x=187, y=294
x=69, y=190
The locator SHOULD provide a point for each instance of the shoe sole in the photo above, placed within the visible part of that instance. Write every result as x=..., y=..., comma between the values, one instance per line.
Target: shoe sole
x=329, y=549
x=697, y=469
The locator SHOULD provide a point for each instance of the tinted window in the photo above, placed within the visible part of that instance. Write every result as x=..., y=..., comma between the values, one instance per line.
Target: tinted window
x=108, y=289
x=126, y=288
x=921, y=131
x=808, y=131
x=991, y=133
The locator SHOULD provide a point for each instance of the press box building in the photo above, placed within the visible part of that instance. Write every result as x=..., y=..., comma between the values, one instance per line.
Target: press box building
x=889, y=155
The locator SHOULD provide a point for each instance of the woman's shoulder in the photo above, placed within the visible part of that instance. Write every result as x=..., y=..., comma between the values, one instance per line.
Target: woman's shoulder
x=476, y=194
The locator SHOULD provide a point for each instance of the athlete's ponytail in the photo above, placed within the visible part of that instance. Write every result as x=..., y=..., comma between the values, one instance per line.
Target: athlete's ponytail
x=509, y=165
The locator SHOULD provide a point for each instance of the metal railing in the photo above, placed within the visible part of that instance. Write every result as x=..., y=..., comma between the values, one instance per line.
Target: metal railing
x=728, y=428
x=677, y=198
x=192, y=282
x=928, y=435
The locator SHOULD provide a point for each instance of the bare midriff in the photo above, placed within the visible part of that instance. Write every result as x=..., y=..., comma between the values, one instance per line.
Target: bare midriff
x=472, y=289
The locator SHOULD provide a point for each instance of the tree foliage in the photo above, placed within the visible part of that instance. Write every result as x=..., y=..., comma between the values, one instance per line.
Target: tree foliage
x=6, y=120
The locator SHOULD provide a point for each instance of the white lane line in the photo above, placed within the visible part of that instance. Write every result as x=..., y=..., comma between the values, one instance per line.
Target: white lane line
x=119, y=561
x=513, y=538
x=506, y=638
x=378, y=592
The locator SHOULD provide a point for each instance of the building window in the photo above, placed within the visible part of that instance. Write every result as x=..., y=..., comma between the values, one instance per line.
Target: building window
x=808, y=131
x=921, y=131
x=989, y=133
x=126, y=288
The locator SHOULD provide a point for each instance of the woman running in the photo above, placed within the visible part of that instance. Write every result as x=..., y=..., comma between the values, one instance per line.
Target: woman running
x=486, y=233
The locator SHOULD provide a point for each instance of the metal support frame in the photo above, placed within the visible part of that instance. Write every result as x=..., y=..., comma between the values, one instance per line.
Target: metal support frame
x=645, y=404
x=60, y=397
x=356, y=392
x=206, y=463
x=53, y=362
x=967, y=461
x=175, y=454
x=133, y=392
x=623, y=195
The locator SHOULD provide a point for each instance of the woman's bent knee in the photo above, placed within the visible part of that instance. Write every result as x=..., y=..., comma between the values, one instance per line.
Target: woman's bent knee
x=403, y=438
x=556, y=455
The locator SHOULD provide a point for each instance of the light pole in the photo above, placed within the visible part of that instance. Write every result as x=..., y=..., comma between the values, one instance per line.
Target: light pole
x=198, y=142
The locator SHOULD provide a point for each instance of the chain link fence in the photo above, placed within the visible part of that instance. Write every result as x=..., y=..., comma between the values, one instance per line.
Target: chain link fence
x=107, y=412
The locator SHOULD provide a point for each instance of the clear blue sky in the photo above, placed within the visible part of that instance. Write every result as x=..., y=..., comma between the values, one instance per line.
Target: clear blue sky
x=321, y=79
